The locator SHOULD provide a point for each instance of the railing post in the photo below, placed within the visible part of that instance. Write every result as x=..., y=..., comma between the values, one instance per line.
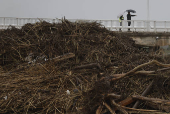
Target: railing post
x=148, y=24
x=122, y=25
x=165, y=24
x=111, y=25
x=17, y=22
x=154, y=26
x=4, y=23
x=133, y=26
x=144, y=26
x=53, y=20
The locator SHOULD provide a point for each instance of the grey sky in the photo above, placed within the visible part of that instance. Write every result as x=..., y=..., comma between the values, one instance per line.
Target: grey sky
x=84, y=9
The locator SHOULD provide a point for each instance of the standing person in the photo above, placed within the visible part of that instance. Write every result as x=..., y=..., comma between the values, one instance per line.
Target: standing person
x=120, y=20
x=129, y=18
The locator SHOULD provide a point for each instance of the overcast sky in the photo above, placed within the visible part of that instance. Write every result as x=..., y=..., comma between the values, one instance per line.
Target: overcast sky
x=84, y=9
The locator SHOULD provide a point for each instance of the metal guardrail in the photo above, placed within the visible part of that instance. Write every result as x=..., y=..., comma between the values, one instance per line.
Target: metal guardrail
x=114, y=25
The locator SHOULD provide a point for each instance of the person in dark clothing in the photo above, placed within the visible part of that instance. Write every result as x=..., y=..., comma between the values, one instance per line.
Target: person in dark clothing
x=129, y=18
x=120, y=20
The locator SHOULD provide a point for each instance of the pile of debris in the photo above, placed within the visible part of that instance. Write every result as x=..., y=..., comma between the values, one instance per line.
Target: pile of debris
x=79, y=68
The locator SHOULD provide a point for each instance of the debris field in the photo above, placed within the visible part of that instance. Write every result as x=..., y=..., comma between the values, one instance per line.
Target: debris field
x=79, y=68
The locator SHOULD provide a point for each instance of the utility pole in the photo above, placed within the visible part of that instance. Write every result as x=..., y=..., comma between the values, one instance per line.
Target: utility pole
x=148, y=9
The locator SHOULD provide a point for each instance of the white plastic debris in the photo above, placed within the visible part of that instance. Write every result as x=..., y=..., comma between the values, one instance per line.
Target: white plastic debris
x=68, y=92
x=5, y=97
x=29, y=57
x=46, y=59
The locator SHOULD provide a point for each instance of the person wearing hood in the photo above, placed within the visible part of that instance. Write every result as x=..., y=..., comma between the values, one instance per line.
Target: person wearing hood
x=120, y=20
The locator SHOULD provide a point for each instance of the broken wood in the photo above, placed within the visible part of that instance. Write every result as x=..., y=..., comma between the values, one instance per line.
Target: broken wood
x=126, y=101
x=119, y=76
x=99, y=109
x=113, y=95
x=147, y=90
x=151, y=72
x=63, y=57
x=130, y=100
x=158, y=106
x=89, y=66
x=56, y=59
x=119, y=107
x=140, y=110
x=154, y=100
x=109, y=108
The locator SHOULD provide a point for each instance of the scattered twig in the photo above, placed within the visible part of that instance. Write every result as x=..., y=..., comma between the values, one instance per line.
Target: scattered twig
x=63, y=57
x=113, y=95
x=89, y=66
x=119, y=107
x=99, y=109
x=109, y=108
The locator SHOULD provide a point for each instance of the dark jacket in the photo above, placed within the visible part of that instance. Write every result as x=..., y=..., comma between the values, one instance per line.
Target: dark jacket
x=129, y=16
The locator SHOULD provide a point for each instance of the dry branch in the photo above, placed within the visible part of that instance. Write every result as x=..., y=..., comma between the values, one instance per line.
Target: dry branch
x=99, y=109
x=89, y=66
x=126, y=101
x=151, y=72
x=140, y=110
x=158, y=106
x=109, y=108
x=119, y=107
x=119, y=76
x=154, y=100
x=147, y=90
x=63, y=57
x=113, y=95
